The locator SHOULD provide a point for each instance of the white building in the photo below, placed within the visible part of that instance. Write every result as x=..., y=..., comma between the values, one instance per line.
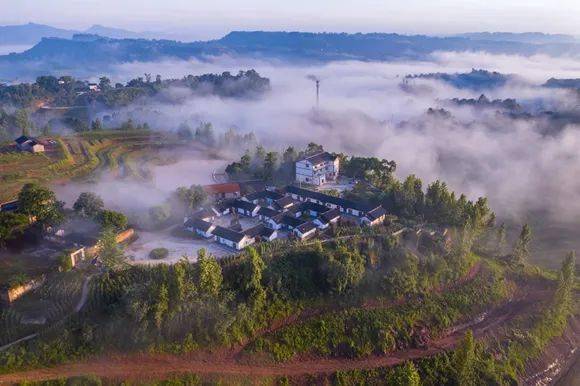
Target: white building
x=200, y=226
x=317, y=169
x=30, y=144
x=232, y=239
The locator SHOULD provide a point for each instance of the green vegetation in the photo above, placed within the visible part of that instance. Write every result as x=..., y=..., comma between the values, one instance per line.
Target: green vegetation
x=158, y=253
x=11, y=225
x=361, y=332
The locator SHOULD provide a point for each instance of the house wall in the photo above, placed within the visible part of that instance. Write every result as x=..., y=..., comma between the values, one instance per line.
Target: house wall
x=77, y=256
x=9, y=295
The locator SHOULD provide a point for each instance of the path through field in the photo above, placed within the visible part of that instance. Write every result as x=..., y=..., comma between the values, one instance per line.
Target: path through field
x=147, y=366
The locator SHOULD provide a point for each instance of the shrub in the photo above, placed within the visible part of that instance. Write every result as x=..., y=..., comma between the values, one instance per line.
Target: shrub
x=158, y=253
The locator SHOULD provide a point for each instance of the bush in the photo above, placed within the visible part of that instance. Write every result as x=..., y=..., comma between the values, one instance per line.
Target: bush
x=158, y=253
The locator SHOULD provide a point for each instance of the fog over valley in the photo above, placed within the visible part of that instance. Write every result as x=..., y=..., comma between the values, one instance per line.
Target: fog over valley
x=522, y=163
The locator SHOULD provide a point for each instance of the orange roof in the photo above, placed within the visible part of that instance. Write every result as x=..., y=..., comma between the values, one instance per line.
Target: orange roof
x=222, y=188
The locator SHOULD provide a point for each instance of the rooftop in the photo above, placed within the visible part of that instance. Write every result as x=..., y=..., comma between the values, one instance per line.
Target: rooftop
x=228, y=234
x=263, y=195
x=319, y=158
x=244, y=205
x=198, y=223
x=306, y=227
x=222, y=188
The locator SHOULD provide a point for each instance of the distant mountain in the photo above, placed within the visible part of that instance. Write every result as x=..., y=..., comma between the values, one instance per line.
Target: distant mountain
x=28, y=34
x=563, y=83
x=80, y=52
x=526, y=37
x=474, y=80
x=116, y=33
x=31, y=33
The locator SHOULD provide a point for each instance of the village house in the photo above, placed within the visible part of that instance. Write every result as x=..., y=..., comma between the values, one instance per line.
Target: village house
x=327, y=218
x=232, y=239
x=265, y=213
x=374, y=216
x=201, y=227
x=261, y=233
x=94, y=87
x=305, y=230
x=266, y=197
x=30, y=144
x=223, y=191
x=284, y=203
x=246, y=208
x=317, y=169
x=345, y=206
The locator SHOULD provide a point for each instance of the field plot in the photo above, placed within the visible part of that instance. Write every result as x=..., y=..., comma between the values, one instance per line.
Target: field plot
x=125, y=153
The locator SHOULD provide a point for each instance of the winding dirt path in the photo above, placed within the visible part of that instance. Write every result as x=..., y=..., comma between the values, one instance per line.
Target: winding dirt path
x=150, y=366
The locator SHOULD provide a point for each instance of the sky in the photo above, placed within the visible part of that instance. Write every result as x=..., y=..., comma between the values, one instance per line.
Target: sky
x=208, y=19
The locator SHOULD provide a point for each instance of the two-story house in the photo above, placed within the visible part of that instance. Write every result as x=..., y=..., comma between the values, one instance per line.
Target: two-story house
x=317, y=169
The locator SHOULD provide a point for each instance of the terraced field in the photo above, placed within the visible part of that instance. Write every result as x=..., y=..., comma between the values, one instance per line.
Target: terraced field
x=80, y=156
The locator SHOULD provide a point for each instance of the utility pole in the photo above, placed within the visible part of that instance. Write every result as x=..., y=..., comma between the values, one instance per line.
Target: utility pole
x=317, y=94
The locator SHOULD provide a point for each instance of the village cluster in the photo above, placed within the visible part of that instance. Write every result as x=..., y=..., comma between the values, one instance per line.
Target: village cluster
x=237, y=220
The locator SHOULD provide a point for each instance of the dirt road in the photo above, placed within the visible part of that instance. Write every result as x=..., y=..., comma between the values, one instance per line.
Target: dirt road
x=146, y=366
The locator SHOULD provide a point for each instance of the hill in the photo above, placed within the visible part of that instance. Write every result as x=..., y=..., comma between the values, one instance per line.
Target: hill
x=62, y=53
x=32, y=33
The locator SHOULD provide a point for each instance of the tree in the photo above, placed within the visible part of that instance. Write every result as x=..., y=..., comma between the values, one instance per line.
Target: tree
x=110, y=219
x=406, y=375
x=344, y=269
x=192, y=197
x=184, y=132
x=521, y=251
x=109, y=251
x=177, y=285
x=290, y=155
x=88, y=204
x=245, y=161
x=96, y=125
x=251, y=275
x=209, y=274
x=313, y=148
x=104, y=83
x=161, y=305
x=11, y=224
x=160, y=214
x=563, y=298
x=38, y=202
x=501, y=239
x=270, y=163
x=22, y=122
x=464, y=360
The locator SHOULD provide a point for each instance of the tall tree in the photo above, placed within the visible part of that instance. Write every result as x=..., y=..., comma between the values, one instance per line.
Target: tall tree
x=22, y=121
x=88, y=204
x=252, y=279
x=501, y=239
x=521, y=251
x=406, y=375
x=109, y=251
x=464, y=360
x=209, y=274
x=563, y=298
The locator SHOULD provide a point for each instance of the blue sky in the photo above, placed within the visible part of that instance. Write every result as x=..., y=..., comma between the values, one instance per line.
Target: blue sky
x=212, y=18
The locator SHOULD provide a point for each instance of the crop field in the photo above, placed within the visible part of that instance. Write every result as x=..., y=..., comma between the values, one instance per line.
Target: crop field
x=76, y=157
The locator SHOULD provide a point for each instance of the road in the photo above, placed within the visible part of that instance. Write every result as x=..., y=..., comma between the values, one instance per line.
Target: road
x=148, y=366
